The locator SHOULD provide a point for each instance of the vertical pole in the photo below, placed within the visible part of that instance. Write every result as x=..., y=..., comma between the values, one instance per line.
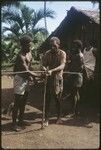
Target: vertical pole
x=45, y=16
x=44, y=100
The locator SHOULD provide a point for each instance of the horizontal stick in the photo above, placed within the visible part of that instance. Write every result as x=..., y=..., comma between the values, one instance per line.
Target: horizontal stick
x=19, y=72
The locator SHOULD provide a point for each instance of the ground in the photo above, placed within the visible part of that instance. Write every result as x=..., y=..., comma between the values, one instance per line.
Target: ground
x=74, y=133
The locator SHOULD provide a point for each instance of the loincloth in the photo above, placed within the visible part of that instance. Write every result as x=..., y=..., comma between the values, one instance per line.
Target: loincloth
x=55, y=84
x=75, y=80
x=20, y=85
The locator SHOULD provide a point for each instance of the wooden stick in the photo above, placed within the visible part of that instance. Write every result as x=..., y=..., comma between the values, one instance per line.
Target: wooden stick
x=19, y=72
x=44, y=103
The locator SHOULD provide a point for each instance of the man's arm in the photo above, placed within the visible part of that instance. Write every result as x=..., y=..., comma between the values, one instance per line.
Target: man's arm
x=94, y=51
x=25, y=67
x=62, y=64
x=81, y=66
x=45, y=62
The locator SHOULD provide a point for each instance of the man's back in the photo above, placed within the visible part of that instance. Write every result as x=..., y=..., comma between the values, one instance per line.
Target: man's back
x=76, y=62
x=89, y=59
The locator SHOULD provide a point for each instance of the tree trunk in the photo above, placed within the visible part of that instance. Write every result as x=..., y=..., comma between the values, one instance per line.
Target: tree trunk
x=45, y=17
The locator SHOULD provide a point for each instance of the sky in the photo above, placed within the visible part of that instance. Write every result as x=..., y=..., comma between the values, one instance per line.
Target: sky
x=60, y=8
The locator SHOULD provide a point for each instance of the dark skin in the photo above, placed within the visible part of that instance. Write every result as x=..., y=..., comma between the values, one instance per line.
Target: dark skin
x=23, y=63
x=76, y=66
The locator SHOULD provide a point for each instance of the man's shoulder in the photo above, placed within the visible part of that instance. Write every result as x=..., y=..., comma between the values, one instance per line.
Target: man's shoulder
x=48, y=52
x=20, y=56
x=81, y=54
x=62, y=52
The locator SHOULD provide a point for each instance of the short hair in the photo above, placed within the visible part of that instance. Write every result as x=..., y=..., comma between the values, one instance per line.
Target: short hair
x=25, y=39
x=78, y=43
x=55, y=39
x=93, y=43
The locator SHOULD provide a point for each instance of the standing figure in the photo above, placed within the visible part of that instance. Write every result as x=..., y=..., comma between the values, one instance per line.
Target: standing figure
x=90, y=60
x=54, y=62
x=22, y=63
x=75, y=80
x=90, y=71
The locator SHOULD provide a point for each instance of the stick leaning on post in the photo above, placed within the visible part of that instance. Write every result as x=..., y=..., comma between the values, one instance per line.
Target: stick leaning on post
x=44, y=102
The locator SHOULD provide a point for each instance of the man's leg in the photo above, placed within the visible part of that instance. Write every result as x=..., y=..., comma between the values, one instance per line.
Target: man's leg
x=15, y=111
x=72, y=98
x=47, y=106
x=22, y=107
x=74, y=101
x=58, y=106
x=77, y=99
x=16, y=107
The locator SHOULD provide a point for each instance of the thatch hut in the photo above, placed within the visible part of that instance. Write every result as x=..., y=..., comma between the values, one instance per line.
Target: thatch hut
x=78, y=24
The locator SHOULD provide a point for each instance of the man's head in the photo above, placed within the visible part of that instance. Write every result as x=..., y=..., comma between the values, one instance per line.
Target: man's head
x=77, y=46
x=93, y=43
x=25, y=42
x=55, y=43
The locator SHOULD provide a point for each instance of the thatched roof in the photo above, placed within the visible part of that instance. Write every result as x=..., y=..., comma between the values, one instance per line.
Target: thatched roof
x=93, y=15
x=74, y=18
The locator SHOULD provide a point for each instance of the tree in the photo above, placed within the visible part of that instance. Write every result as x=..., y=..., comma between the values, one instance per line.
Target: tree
x=9, y=48
x=27, y=19
x=24, y=20
x=10, y=3
x=45, y=16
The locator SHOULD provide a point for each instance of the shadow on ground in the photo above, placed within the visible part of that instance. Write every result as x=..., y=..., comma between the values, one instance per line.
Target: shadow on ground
x=89, y=112
x=32, y=117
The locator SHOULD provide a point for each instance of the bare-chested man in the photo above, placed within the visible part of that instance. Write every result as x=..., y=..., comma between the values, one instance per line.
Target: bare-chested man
x=54, y=60
x=22, y=63
x=75, y=81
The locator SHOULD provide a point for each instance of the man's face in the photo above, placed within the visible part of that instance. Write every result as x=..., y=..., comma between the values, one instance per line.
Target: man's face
x=54, y=45
x=27, y=47
x=75, y=48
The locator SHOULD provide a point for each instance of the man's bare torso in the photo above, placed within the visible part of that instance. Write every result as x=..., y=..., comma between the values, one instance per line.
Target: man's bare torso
x=21, y=60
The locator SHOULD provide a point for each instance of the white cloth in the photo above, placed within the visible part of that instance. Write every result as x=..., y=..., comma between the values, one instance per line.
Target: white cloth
x=20, y=85
x=89, y=59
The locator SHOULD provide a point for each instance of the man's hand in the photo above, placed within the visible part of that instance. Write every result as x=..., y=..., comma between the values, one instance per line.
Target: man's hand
x=43, y=68
x=31, y=78
x=49, y=73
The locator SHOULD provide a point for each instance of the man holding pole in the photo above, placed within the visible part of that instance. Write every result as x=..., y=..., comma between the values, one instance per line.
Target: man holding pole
x=53, y=63
x=22, y=63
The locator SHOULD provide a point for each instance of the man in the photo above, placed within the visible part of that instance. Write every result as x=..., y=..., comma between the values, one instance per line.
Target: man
x=54, y=61
x=75, y=81
x=90, y=62
x=90, y=59
x=22, y=63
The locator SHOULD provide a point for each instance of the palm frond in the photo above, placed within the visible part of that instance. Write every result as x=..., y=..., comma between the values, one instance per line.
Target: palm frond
x=27, y=14
x=12, y=17
x=42, y=30
x=38, y=15
x=10, y=3
x=14, y=29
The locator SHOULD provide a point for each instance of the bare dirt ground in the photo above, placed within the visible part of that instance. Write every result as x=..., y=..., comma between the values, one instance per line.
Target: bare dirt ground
x=79, y=133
